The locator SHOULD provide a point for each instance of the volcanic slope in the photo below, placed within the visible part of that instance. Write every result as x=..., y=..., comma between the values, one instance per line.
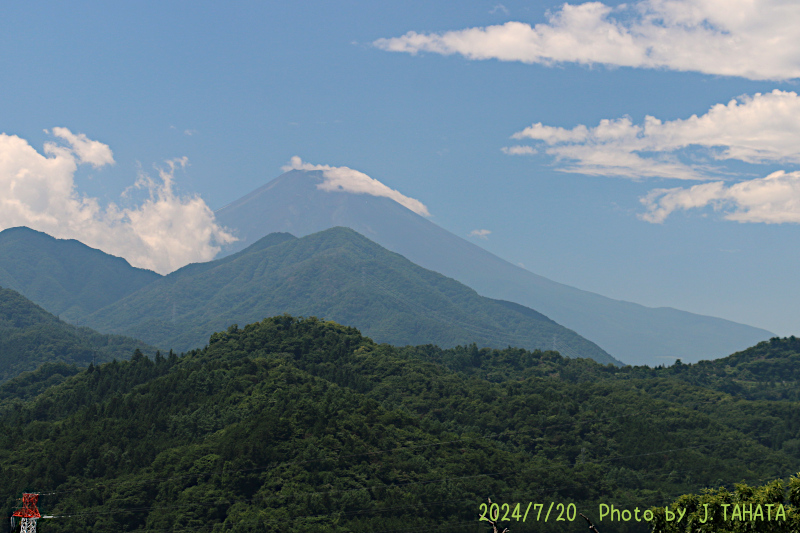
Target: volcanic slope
x=66, y=277
x=635, y=334
x=30, y=337
x=340, y=275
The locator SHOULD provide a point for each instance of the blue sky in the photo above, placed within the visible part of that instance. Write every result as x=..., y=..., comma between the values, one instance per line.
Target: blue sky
x=526, y=120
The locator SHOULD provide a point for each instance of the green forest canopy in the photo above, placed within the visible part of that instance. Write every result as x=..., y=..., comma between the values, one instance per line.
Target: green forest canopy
x=306, y=425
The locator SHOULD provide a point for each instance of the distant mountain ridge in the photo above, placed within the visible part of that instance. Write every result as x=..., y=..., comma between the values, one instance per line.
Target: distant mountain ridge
x=337, y=274
x=630, y=332
x=69, y=277
x=65, y=276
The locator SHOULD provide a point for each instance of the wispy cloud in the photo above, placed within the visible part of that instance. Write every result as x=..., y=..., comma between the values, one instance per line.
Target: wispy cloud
x=757, y=129
x=754, y=39
x=344, y=179
x=164, y=232
x=84, y=149
x=480, y=233
x=774, y=199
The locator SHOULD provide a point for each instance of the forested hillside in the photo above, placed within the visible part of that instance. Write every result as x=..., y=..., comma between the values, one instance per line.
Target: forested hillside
x=305, y=425
x=769, y=370
x=337, y=274
x=773, y=507
x=65, y=276
x=30, y=337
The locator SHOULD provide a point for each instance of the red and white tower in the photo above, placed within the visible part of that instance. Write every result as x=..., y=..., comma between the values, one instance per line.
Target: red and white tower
x=28, y=514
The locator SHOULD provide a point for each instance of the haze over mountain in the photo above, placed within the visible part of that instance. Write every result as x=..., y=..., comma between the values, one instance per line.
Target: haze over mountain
x=295, y=202
x=339, y=275
x=66, y=277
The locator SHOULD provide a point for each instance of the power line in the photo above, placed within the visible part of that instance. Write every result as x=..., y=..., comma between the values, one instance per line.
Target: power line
x=386, y=486
x=344, y=513
x=489, y=437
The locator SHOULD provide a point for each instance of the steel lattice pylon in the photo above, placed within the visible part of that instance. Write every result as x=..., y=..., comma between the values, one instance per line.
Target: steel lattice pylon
x=28, y=525
x=28, y=514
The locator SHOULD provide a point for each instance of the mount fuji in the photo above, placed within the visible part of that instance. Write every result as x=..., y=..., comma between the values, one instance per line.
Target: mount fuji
x=306, y=201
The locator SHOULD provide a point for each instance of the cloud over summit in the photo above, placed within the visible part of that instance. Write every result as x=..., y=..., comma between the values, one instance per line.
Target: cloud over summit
x=345, y=179
x=164, y=232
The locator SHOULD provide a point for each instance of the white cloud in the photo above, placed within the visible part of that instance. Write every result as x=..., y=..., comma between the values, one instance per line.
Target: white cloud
x=757, y=129
x=774, y=199
x=480, y=233
x=519, y=150
x=344, y=179
x=755, y=39
x=95, y=153
x=163, y=233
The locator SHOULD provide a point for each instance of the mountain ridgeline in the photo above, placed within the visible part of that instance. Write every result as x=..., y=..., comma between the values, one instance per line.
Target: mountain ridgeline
x=305, y=425
x=66, y=277
x=632, y=333
x=339, y=275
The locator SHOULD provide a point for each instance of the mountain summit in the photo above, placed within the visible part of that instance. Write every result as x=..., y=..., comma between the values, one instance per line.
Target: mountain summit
x=299, y=202
x=342, y=276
